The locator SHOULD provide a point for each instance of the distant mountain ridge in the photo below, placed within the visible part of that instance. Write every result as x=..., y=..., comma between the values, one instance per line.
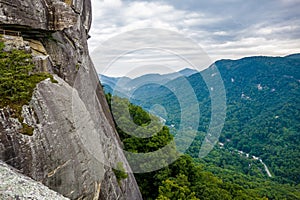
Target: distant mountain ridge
x=296, y=56
x=128, y=84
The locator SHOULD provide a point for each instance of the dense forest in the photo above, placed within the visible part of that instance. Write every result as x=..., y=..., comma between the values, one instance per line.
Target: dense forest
x=262, y=116
x=189, y=178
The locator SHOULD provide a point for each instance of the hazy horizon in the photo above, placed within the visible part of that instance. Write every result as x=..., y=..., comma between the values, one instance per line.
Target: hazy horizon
x=151, y=71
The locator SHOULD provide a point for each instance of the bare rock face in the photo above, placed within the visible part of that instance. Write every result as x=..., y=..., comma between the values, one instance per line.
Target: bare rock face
x=38, y=14
x=17, y=186
x=74, y=144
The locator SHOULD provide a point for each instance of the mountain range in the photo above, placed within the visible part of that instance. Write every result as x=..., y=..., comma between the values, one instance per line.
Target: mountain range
x=126, y=84
x=262, y=110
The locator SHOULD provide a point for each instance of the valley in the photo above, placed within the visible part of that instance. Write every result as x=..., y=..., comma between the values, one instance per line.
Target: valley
x=260, y=138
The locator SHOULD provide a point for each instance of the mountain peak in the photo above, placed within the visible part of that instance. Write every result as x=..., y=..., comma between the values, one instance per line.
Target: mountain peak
x=188, y=72
x=294, y=56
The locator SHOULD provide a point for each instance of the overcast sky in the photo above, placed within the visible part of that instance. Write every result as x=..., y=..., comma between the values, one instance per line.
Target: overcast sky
x=223, y=29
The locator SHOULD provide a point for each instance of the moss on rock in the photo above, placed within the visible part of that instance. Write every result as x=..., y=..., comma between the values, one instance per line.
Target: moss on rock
x=120, y=172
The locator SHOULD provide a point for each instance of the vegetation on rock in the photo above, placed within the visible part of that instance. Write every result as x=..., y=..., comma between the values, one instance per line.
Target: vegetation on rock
x=120, y=172
x=17, y=81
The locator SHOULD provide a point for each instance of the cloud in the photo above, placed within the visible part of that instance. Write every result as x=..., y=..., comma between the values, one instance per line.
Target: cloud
x=164, y=48
x=224, y=29
x=109, y=21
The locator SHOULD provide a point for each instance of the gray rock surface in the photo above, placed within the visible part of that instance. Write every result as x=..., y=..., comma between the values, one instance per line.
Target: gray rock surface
x=17, y=186
x=74, y=144
x=38, y=14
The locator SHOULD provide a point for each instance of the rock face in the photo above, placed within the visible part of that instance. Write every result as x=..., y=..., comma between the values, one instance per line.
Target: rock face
x=17, y=186
x=74, y=144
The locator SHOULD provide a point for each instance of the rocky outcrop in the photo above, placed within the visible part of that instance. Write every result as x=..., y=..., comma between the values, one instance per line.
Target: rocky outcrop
x=17, y=186
x=74, y=144
x=38, y=14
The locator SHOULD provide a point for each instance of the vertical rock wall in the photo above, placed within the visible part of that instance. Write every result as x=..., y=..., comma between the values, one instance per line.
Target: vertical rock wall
x=74, y=143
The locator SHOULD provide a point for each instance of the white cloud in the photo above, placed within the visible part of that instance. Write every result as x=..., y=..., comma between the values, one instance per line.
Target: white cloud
x=111, y=3
x=228, y=33
x=252, y=47
x=221, y=33
x=149, y=10
x=109, y=21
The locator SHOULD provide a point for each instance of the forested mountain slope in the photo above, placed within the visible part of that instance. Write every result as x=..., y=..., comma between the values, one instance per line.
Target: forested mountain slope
x=188, y=178
x=262, y=117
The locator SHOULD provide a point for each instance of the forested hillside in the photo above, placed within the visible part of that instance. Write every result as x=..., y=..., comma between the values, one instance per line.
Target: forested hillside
x=259, y=143
x=262, y=111
x=189, y=178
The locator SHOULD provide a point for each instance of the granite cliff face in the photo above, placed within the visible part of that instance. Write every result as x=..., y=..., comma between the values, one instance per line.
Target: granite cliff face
x=74, y=143
x=17, y=186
